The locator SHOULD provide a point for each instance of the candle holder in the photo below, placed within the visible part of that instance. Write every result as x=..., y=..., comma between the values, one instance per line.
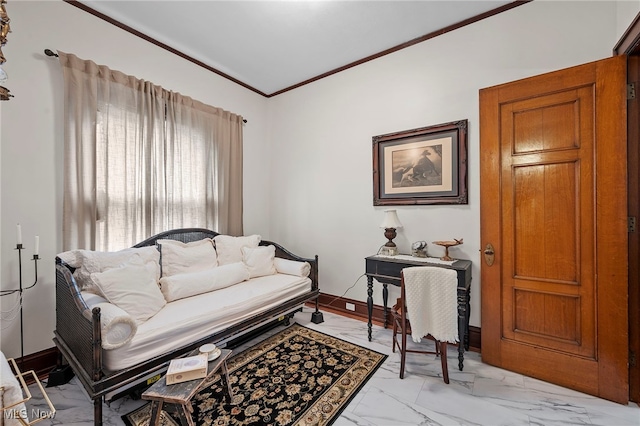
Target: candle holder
x=20, y=290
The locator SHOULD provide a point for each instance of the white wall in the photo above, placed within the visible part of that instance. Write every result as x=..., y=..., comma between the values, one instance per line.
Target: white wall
x=32, y=141
x=322, y=192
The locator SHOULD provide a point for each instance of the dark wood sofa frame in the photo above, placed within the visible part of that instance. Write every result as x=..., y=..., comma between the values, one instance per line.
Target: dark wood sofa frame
x=77, y=333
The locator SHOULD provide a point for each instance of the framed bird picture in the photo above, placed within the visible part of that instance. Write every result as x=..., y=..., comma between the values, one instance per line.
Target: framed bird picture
x=421, y=166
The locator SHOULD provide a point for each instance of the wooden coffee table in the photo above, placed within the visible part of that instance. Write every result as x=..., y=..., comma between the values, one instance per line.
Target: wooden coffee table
x=181, y=393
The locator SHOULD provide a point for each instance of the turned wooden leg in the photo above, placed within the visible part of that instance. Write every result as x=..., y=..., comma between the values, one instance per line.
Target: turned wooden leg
x=369, y=305
x=385, y=297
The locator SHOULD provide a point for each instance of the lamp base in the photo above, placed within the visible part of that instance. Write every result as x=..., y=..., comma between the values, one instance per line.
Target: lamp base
x=389, y=251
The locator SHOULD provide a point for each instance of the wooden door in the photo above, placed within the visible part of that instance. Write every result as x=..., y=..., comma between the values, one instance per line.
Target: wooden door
x=554, y=208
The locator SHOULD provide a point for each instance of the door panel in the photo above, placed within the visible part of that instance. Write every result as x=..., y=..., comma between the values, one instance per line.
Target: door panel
x=553, y=204
x=544, y=222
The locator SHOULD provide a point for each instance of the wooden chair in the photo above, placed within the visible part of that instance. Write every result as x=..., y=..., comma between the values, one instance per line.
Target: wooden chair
x=429, y=295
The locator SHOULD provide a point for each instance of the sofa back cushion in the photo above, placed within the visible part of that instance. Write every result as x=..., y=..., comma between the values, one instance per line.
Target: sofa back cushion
x=177, y=257
x=87, y=262
x=189, y=284
x=229, y=248
x=133, y=288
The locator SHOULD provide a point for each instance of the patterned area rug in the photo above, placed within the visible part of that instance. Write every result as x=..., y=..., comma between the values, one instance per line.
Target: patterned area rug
x=296, y=377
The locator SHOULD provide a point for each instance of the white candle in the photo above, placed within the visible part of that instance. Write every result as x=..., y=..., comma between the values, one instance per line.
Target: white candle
x=37, y=246
x=19, y=234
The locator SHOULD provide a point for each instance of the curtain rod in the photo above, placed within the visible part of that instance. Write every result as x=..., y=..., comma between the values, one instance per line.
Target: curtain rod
x=50, y=52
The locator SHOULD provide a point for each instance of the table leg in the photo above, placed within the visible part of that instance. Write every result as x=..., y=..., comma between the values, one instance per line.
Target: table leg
x=369, y=304
x=225, y=378
x=156, y=412
x=462, y=304
x=185, y=416
x=468, y=315
x=385, y=296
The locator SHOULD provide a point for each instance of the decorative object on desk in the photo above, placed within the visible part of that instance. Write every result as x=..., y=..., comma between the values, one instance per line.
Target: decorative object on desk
x=390, y=224
x=419, y=249
x=421, y=166
x=20, y=290
x=298, y=376
x=188, y=368
x=446, y=245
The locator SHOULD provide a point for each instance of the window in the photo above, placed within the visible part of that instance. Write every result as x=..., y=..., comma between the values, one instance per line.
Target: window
x=141, y=160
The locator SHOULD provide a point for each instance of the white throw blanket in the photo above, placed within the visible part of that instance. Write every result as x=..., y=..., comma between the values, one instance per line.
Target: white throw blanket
x=11, y=394
x=432, y=307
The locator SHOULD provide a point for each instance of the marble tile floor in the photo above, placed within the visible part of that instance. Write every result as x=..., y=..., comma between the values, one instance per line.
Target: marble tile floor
x=479, y=395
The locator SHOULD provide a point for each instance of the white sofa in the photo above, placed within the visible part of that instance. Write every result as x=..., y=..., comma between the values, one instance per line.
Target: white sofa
x=122, y=316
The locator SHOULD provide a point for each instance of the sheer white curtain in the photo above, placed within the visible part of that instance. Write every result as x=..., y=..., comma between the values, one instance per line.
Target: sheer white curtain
x=140, y=159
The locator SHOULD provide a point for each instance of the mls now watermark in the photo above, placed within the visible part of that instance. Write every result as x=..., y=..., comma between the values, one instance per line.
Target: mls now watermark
x=23, y=413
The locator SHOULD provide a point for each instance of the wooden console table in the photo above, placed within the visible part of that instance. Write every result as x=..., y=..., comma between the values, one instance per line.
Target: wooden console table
x=386, y=270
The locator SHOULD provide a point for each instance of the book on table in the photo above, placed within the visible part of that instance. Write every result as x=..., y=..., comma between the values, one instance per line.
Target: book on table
x=188, y=368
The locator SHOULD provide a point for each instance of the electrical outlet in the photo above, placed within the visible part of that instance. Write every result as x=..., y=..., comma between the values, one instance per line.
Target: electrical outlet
x=350, y=306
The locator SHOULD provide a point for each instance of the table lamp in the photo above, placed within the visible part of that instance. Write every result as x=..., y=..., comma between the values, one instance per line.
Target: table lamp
x=390, y=224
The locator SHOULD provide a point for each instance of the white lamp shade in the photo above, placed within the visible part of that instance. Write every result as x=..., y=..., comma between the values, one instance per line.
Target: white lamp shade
x=390, y=220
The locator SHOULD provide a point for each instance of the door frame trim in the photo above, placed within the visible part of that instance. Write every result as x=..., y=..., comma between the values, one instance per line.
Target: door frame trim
x=629, y=44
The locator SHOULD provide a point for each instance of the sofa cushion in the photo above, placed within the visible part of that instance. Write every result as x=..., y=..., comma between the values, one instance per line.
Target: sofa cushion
x=189, y=284
x=292, y=267
x=133, y=288
x=117, y=326
x=259, y=260
x=229, y=248
x=177, y=257
x=88, y=262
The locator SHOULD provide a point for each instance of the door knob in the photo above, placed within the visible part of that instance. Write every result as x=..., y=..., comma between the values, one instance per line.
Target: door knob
x=489, y=255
